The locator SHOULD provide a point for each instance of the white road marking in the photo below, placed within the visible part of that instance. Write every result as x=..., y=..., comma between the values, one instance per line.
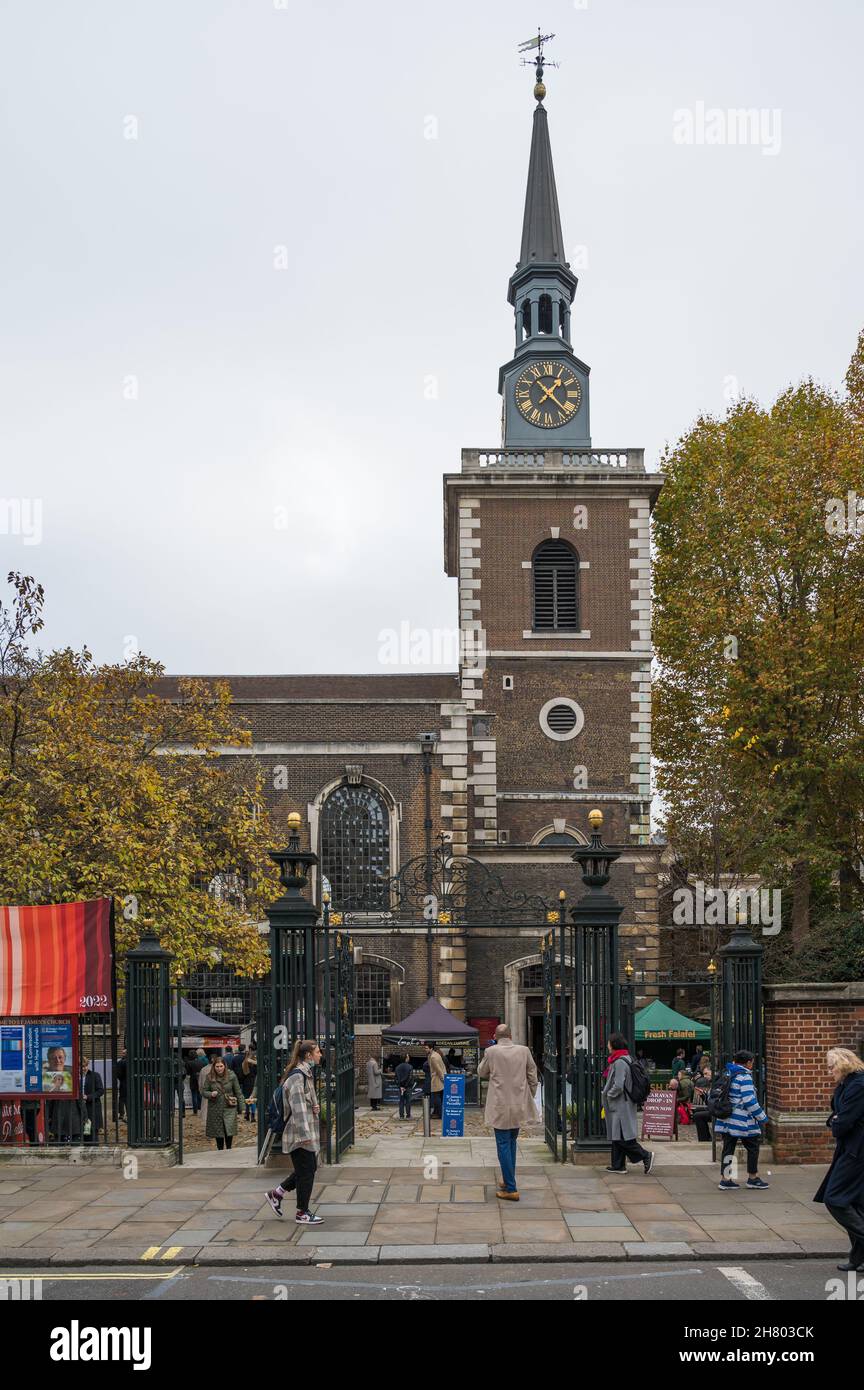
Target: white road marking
x=744, y=1282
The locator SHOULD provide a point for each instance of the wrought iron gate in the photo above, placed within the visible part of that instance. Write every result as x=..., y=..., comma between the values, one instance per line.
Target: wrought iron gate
x=339, y=1051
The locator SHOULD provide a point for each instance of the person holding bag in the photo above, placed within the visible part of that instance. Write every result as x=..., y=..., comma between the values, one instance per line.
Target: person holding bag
x=224, y=1098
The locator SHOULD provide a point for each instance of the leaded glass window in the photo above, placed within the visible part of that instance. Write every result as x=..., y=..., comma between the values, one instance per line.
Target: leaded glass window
x=355, y=848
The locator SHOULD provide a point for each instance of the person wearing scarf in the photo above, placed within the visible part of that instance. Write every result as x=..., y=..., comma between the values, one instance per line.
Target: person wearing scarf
x=620, y=1109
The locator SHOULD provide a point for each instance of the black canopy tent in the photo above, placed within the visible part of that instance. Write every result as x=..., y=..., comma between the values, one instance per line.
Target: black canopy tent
x=457, y=1041
x=197, y=1029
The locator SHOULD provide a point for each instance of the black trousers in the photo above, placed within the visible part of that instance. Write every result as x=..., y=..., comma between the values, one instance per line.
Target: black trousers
x=305, y=1162
x=225, y=1141
x=622, y=1149
x=437, y=1103
x=852, y=1220
x=404, y=1104
x=751, y=1143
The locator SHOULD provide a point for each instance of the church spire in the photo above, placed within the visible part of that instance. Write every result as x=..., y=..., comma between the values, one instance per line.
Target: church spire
x=542, y=239
x=545, y=386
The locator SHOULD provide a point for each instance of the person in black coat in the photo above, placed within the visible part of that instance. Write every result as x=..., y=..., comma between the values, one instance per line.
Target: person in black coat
x=121, y=1071
x=842, y=1188
x=92, y=1089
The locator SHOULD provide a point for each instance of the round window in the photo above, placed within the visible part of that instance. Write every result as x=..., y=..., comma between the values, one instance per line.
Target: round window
x=561, y=719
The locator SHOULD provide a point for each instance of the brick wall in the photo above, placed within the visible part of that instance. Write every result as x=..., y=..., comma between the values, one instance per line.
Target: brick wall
x=801, y=1022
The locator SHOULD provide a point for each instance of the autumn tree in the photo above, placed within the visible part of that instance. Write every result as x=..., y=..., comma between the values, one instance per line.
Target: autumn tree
x=759, y=634
x=94, y=803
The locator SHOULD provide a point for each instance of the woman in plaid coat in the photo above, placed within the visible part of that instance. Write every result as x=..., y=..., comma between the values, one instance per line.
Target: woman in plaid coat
x=301, y=1135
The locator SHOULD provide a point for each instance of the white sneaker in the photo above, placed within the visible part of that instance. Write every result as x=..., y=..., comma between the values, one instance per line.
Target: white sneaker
x=306, y=1218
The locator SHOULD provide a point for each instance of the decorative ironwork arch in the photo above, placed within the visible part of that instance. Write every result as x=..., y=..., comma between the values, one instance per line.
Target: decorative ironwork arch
x=448, y=889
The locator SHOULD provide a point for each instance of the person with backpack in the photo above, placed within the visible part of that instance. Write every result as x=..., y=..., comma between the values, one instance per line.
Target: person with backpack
x=742, y=1121
x=301, y=1134
x=625, y=1086
x=842, y=1188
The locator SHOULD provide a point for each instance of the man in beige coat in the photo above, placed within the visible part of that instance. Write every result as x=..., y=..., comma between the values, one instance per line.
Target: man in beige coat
x=512, y=1076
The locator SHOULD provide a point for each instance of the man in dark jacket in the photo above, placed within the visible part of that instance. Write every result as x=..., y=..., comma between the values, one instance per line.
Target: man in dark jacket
x=405, y=1081
x=842, y=1188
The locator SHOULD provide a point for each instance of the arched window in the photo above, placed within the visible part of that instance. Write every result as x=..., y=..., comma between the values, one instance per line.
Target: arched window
x=372, y=994
x=355, y=848
x=556, y=587
x=544, y=318
x=526, y=318
x=555, y=839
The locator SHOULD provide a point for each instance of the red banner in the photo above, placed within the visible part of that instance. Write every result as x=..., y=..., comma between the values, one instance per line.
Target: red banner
x=56, y=959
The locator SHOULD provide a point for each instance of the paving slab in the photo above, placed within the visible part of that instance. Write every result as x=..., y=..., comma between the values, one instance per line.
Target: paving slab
x=517, y=1232
x=319, y=1237
x=383, y=1233
x=579, y=1220
x=665, y=1231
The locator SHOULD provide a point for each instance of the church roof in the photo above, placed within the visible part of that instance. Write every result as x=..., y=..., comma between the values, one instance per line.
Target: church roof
x=433, y=686
x=542, y=238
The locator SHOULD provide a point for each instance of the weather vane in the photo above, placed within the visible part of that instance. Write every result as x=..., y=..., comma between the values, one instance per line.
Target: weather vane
x=540, y=62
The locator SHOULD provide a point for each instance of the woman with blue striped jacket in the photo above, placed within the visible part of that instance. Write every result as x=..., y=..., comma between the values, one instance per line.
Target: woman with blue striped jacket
x=744, y=1125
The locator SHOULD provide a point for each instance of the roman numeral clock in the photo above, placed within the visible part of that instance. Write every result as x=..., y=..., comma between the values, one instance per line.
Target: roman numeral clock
x=547, y=394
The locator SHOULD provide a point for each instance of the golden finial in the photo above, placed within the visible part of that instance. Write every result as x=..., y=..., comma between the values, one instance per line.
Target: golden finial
x=295, y=820
x=595, y=818
x=540, y=91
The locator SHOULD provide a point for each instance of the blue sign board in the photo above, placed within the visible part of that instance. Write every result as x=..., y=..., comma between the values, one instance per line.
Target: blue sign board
x=453, y=1110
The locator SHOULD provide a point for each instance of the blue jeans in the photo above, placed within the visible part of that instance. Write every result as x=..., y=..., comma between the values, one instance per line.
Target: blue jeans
x=505, y=1142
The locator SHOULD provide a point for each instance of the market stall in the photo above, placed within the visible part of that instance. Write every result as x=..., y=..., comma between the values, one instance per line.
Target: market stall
x=457, y=1041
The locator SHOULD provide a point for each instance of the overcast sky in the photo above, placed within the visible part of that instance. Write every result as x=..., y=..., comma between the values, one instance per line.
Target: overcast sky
x=237, y=270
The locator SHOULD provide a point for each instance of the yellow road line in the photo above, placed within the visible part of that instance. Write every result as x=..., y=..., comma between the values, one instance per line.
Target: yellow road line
x=47, y=1275
x=151, y=1252
x=172, y=1253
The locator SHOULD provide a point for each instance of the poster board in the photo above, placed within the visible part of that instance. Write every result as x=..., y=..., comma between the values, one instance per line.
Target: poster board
x=39, y=1059
x=659, y=1117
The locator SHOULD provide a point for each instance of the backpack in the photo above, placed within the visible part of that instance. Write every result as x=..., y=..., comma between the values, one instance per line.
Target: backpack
x=718, y=1101
x=276, y=1117
x=640, y=1083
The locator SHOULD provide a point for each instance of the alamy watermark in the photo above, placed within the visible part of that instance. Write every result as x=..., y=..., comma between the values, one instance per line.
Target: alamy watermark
x=437, y=646
x=712, y=125
x=22, y=516
x=698, y=906
x=844, y=516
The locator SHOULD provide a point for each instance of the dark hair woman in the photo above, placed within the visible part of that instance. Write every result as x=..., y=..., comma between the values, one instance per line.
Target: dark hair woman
x=300, y=1137
x=224, y=1099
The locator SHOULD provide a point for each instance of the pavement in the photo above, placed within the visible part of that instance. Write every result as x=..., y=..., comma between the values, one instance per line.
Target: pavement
x=436, y=1204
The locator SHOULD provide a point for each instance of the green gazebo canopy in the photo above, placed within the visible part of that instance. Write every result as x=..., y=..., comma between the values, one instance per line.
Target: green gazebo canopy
x=658, y=1023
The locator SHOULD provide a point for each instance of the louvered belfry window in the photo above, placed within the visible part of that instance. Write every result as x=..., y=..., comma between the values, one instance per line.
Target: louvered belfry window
x=355, y=848
x=556, y=588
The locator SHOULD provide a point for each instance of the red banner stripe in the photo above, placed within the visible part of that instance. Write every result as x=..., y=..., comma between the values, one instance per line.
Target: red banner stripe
x=55, y=959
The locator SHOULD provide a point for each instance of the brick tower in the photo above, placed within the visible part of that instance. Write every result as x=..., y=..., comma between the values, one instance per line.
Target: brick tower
x=548, y=536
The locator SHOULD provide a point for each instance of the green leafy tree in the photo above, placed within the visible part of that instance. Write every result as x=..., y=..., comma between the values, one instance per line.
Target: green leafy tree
x=759, y=632
x=93, y=802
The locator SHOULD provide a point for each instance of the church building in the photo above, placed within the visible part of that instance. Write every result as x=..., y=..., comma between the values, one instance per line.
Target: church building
x=549, y=713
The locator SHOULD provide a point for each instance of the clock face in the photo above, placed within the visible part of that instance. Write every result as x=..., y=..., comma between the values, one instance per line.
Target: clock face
x=548, y=394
